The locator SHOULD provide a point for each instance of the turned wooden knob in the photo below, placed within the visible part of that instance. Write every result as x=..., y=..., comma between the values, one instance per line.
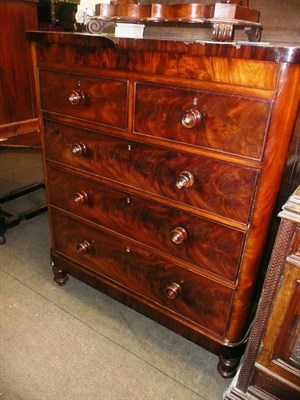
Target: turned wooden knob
x=76, y=97
x=191, y=119
x=80, y=198
x=84, y=247
x=173, y=290
x=178, y=235
x=78, y=149
x=184, y=180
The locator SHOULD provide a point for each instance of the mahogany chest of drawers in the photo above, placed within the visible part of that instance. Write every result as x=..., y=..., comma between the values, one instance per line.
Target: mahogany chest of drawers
x=162, y=163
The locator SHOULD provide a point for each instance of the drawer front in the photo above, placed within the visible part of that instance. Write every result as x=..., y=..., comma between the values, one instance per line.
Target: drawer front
x=194, y=297
x=226, y=123
x=90, y=98
x=218, y=187
x=203, y=243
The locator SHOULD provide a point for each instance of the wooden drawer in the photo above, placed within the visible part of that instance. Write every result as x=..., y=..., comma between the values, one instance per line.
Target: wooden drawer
x=104, y=102
x=221, y=188
x=226, y=123
x=198, y=299
x=198, y=241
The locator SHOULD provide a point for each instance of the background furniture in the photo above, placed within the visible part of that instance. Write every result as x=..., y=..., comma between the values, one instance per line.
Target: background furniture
x=18, y=114
x=19, y=125
x=271, y=365
x=57, y=15
x=170, y=155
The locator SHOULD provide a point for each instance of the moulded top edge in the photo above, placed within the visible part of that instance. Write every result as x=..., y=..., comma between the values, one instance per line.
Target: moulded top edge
x=243, y=50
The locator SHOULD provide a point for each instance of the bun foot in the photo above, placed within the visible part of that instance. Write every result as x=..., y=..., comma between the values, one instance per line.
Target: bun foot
x=2, y=239
x=227, y=367
x=60, y=276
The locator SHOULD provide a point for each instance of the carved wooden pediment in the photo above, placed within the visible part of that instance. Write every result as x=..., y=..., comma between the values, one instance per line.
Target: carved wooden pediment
x=222, y=17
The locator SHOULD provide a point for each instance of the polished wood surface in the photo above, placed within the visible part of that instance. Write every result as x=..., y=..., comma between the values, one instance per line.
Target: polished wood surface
x=187, y=12
x=158, y=112
x=105, y=100
x=140, y=271
x=155, y=170
x=196, y=141
x=209, y=246
x=239, y=51
x=18, y=115
x=280, y=20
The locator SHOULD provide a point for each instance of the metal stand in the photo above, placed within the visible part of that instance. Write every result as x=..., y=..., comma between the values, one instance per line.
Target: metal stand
x=8, y=219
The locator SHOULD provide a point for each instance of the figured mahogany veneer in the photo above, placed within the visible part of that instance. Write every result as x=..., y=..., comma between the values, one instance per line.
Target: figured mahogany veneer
x=139, y=270
x=101, y=100
x=208, y=245
x=223, y=17
x=155, y=169
x=163, y=160
x=161, y=111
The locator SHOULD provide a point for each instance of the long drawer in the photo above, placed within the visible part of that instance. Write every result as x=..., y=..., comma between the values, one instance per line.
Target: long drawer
x=227, y=123
x=100, y=100
x=209, y=245
x=219, y=187
x=177, y=290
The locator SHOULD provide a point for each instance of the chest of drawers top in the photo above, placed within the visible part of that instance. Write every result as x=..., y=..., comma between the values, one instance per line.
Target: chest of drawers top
x=167, y=92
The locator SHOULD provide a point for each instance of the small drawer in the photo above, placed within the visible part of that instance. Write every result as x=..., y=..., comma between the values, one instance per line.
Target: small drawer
x=201, y=242
x=230, y=124
x=95, y=99
x=221, y=188
x=168, y=286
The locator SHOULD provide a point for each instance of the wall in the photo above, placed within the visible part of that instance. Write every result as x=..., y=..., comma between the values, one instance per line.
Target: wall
x=86, y=9
x=280, y=20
